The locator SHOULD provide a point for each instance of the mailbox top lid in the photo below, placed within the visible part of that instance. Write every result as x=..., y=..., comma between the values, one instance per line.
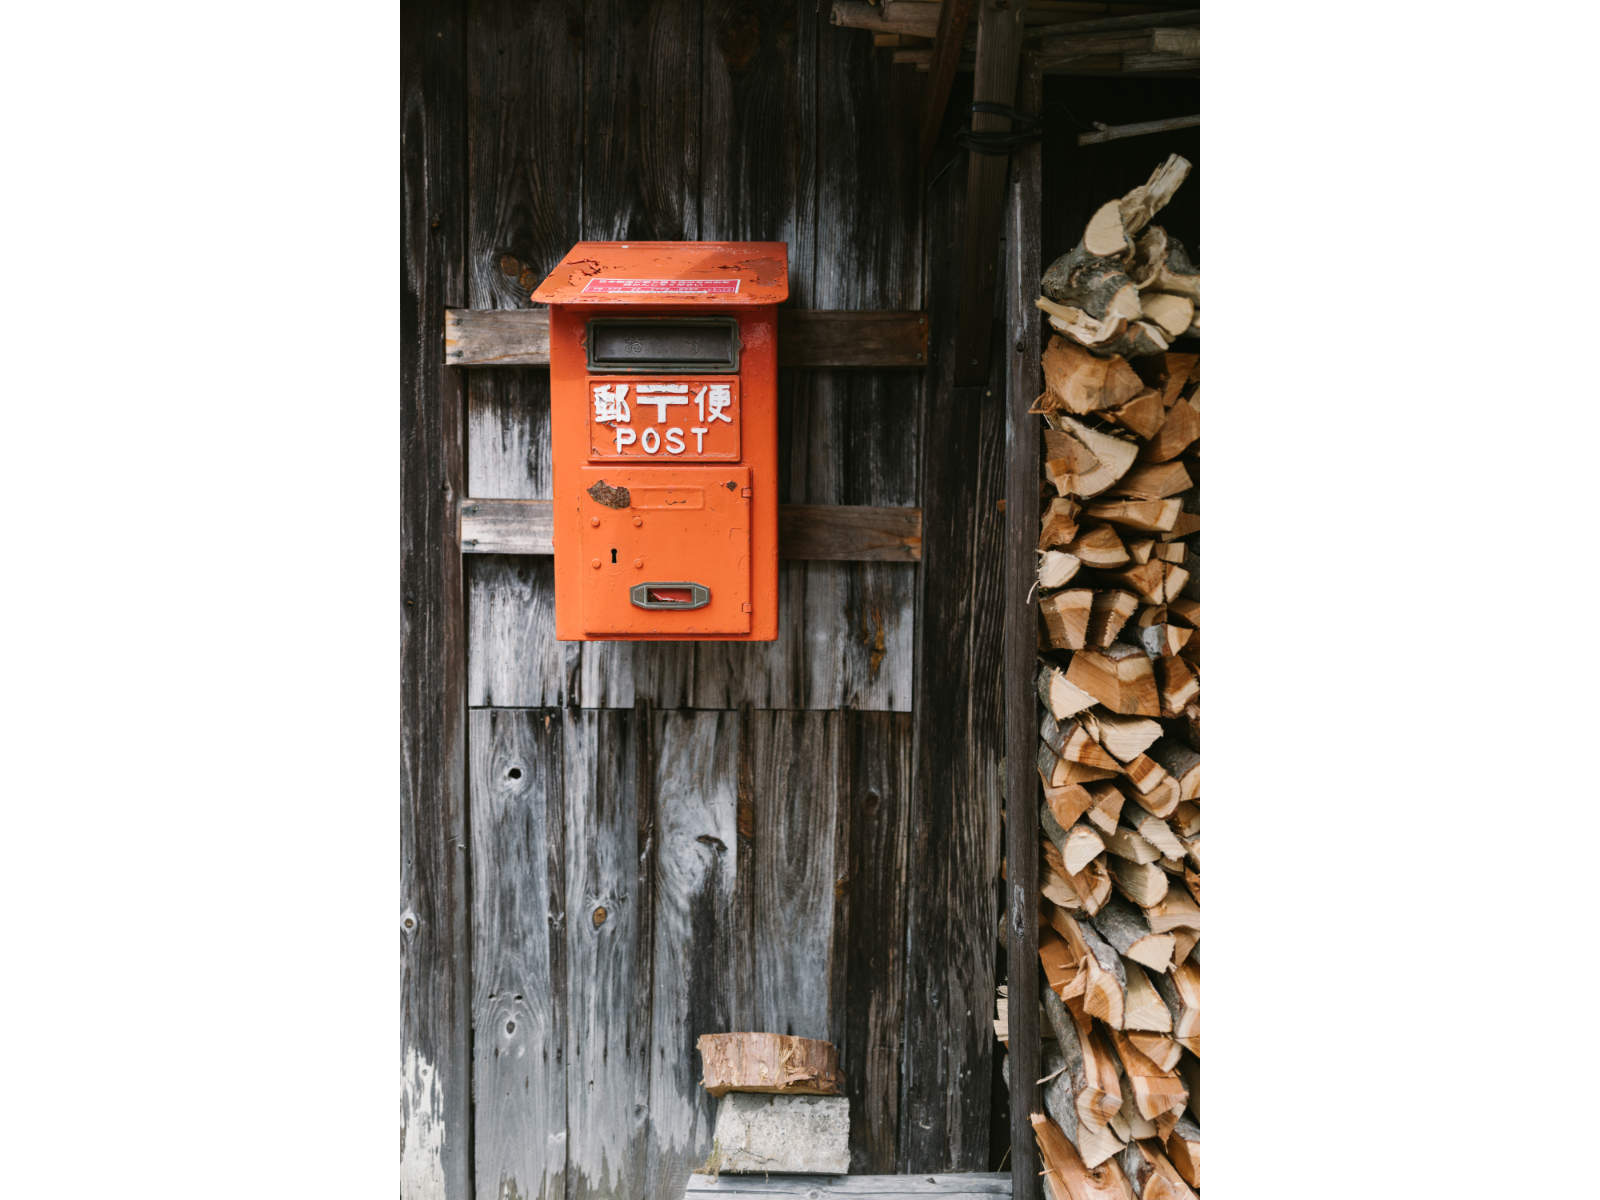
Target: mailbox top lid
x=676, y=274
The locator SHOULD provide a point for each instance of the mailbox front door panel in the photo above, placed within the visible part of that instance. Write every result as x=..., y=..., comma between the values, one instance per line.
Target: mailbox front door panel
x=664, y=553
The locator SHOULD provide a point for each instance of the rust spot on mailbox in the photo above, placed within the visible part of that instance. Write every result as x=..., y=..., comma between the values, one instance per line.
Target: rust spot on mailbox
x=663, y=385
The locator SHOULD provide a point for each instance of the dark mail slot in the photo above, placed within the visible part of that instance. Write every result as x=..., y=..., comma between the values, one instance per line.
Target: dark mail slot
x=621, y=345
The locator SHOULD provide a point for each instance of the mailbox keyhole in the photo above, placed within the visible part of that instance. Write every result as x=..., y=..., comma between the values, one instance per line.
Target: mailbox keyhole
x=613, y=554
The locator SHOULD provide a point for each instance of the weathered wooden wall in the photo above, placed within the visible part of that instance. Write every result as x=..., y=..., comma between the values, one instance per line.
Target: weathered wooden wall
x=650, y=841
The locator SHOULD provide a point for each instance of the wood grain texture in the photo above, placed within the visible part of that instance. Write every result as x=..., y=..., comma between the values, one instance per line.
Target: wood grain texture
x=1023, y=382
x=877, y=893
x=954, y=853
x=828, y=1187
x=826, y=532
x=807, y=338
x=695, y=812
x=994, y=81
x=435, y=1033
x=609, y=936
x=948, y=40
x=519, y=959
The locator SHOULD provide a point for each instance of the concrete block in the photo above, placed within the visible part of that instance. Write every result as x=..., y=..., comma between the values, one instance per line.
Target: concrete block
x=806, y=1135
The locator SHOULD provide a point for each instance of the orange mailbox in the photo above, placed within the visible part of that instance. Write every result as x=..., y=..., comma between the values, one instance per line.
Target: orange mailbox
x=664, y=439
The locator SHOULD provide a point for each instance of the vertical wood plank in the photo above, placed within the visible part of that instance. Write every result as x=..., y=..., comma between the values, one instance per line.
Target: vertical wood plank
x=695, y=804
x=609, y=954
x=1023, y=384
x=519, y=956
x=795, y=762
x=524, y=108
x=879, y=798
x=954, y=850
x=435, y=1098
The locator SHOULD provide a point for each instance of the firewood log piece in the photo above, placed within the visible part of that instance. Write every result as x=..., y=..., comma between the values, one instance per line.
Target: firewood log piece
x=1095, y=284
x=1180, y=988
x=1191, y=877
x=1073, y=742
x=1177, y=683
x=1124, y=737
x=1143, y=1009
x=1124, y=926
x=1107, y=232
x=1152, y=1175
x=1055, y=771
x=1174, y=314
x=1143, y=883
x=1186, y=610
x=1128, y=846
x=1060, y=523
x=1083, y=328
x=1108, y=459
x=1183, y=1148
x=1140, y=549
x=1138, y=339
x=1141, y=204
x=1101, y=967
x=1068, y=803
x=1106, y=807
x=1154, y=516
x=1177, y=433
x=1056, y=568
x=1174, y=910
x=1060, y=697
x=1079, y=844
x=1153, y=789
x=768, y=1062
x=1155, y=481
x=1098, y=546
x=1172, y=552
x=1119, y=677
x=1143, y=415
x=1094, y=1144
x=1066, y=619
x=1080, y=382
x=1155, y=831
x=1108, y=612
x=1181, y=763
x=1160, y=1048
x=1066, y=1176
x=1148, y=257
x=1177, y=274
x=1184, y=943
x=1091, y=887
x=1186, y=819
x=1156, y=1093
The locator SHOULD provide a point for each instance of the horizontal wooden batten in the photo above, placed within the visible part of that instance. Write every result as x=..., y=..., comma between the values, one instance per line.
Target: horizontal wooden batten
x=830, y=532
x=807, y=338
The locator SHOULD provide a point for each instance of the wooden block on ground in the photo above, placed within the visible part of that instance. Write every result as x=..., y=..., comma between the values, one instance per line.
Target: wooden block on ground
x=767, y=1062
x=805, y=1135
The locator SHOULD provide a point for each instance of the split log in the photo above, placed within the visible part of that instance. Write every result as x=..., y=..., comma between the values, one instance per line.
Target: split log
x=1187, y=610
x=1155, y=481
x=1060, y=523
x=1080, y=326
x=1060, y=967
x=1071, y=741
x=1155, y=790
x=1124, y=737
x=1107, y=458
x=1094, y=1143
x=1148, y=257
x=1066, y=618
x=1152, y=1175
x=1160, y=1048
x=1177, y=433
x=1124, y=926
x=1141, y=549
x=1176, y=909
x=1184, y=943
x=1141, y=204
x=1065, y=1174
x=1177, y=683
x=1186, y=817
x=1181, y=763
x=768, y=1062
x=1107, y=233
x=1056, y=771
x=1156, y=1093
x=1183, y=1147
x=1108, y=612
x=1106, y=807
x=1177, y=274
x=1143, y=1009
x=1128, y=846
x=1059, y=695
x=1119, y=677
x=1099, y=546
x=1156, y=582
x=1091, y=887
x=1078, y=844
x=1096, y=285
x=1173, y=314
x=1143, y=883
x=1056, y=568
x=1180, y=988
x=1100, y=966
x=1068, y=803
x=1155, y=831
x=1143, y=415
x=1080, y=382
x=1153, y=516
x=1138, y=339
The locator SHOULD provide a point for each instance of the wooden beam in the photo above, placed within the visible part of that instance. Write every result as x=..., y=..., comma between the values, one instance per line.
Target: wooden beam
x=994, y=81
x=1023, y=384
x=951, y=35
x=807, y=338
x=852, y=1187
x=1111, y=133
x=435, y=947
x=825, y=532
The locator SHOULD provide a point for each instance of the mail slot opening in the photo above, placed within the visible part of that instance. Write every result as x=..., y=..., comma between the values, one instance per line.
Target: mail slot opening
x=622, y=345
x=670, y=595
x=667, y=595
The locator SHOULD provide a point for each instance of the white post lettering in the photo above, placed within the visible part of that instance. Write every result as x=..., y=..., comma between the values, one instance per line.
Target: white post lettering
x=625, y=436
x=699, y=432
x=674, y=440
x=650, y=440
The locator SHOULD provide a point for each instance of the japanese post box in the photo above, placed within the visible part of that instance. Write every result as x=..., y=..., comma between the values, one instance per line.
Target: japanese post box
x=664, y=439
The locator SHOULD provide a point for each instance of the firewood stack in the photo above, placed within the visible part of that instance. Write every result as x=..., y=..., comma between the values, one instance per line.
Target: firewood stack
x=1119, y=683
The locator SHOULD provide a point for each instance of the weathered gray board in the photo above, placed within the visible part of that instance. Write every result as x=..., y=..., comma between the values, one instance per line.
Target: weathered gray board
x=976, y=1186
x=759, y=864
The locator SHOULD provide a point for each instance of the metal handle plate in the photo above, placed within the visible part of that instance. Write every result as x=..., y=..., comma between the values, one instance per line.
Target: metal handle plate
x=670, y=595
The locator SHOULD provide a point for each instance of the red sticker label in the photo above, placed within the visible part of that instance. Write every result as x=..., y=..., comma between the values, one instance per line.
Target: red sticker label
x=684, y=287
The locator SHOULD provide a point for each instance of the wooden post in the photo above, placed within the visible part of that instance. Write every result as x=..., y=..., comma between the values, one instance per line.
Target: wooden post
x=1023, y=382
x=995, y=81
x=953, y=18
x=435, y=984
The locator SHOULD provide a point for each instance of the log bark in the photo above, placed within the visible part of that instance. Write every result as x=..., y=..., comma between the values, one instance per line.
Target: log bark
x=1124, y=926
